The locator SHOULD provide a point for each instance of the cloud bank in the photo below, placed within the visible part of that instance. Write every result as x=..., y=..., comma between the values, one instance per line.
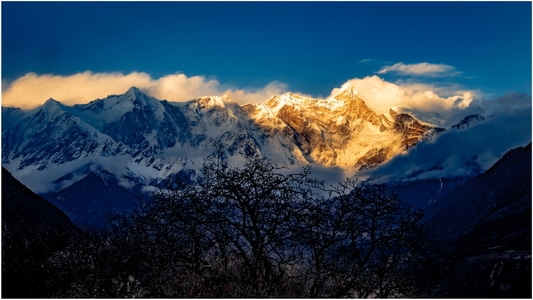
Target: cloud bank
x=381, y=95
x=460, y=153
x=420, y=69
x=451, y=102
x=32, y=90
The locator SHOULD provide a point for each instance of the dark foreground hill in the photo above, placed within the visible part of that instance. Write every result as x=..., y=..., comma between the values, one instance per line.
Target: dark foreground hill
x=486, y=224
x=32, y=229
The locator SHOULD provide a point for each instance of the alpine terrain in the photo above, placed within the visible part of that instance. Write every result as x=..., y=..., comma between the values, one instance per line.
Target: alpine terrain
x=290, y=197
x=99, y=158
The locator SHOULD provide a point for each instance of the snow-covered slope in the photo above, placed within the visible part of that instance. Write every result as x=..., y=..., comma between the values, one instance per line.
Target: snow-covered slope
x=146, y=139
x=339, y=131
x=50, y=135
x=138, y=141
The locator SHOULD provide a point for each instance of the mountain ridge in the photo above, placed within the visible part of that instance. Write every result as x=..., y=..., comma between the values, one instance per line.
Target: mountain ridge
x=139, y=111
x=141, y=140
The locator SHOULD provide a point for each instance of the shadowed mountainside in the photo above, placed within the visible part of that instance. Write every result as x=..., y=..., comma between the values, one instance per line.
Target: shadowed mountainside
x=486, y=224
x=32, y=229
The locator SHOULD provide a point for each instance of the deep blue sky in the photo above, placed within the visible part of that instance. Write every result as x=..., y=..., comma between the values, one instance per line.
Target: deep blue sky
x=311, y=46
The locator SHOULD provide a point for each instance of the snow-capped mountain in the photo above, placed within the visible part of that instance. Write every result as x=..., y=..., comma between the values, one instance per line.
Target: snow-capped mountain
x=131, y=143
x=151, y=139
x=339, y=131
x=50, y=135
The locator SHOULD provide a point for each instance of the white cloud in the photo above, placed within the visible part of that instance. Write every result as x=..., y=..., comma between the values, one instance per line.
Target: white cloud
x=259, y=95
x=420, y=69
x=381, y=95
x=452, y=102
x=32, y=90
x=179, y=87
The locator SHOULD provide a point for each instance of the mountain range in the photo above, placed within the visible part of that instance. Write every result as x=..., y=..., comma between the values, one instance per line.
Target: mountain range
x=101, y=157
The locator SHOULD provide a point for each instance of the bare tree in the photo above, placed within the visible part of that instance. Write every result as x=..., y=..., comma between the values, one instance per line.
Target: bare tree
x=361, y=239
x=258, y=230
x=253, y=212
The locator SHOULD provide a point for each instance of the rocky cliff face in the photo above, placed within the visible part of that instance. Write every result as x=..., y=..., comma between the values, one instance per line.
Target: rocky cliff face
x=340, y=131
